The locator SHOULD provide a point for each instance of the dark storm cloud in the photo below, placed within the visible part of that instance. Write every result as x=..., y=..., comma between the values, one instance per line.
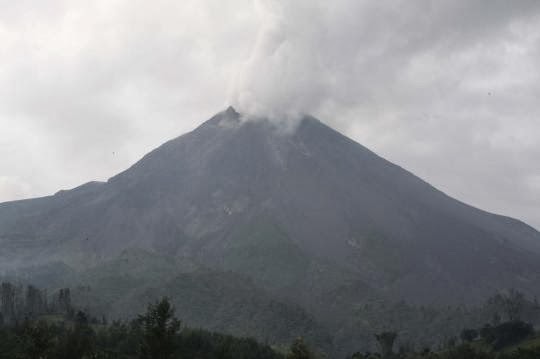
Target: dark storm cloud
x=447, y=89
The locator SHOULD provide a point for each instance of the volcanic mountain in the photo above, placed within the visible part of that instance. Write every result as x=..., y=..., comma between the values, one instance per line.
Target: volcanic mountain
x=307, y=214
x=237, y=190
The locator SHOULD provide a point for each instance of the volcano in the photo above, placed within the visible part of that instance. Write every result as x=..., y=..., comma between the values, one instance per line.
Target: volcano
x=307, y=215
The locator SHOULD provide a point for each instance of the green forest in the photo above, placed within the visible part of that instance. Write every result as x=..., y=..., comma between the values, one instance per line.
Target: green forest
x=36, y=325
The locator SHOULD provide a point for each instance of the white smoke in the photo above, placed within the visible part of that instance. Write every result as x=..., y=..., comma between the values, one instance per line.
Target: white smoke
x=312, y=56
x=283, y=77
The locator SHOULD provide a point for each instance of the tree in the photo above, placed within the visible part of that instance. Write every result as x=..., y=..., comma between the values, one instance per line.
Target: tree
x=35, y=301
x=299, y=350
x=513, y=304
x=64, y=301
x=78, y=342
x=7, y=301
x=160, y=329
x=386, y=343
x=36, y=340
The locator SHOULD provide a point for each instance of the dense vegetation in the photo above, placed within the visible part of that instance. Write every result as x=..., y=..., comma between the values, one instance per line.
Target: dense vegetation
x=157, y=334
x=507, y=336
x=36, y=325
x=336, y=321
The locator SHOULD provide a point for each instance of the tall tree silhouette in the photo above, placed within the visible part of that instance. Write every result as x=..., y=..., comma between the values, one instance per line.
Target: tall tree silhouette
x=386, y=343
x=160, y=329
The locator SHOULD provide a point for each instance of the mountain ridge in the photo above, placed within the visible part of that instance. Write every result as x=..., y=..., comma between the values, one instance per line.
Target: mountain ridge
x=233, y=186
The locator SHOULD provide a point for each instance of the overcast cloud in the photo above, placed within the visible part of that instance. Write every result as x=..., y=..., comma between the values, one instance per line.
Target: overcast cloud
x=447, y=89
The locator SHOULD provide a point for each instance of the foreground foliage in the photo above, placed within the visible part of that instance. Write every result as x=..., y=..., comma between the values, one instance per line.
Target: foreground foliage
x=157, y=334
x=35, y=325
x=508, y=340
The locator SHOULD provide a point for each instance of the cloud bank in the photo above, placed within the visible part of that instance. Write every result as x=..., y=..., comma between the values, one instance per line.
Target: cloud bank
x=447, y=89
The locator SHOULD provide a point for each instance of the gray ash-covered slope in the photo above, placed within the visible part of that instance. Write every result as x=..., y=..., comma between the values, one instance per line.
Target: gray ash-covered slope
x=304, y=211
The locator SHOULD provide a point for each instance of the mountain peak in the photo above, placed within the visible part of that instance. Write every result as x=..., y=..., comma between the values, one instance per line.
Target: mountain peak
x=226, y=118
x=239, y=185
x=231, y=112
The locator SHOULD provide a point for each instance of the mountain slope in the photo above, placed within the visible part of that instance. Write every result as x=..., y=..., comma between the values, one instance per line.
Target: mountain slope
x=304, y=212
x=223, y=301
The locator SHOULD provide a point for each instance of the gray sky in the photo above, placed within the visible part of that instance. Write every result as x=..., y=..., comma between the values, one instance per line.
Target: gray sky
x=448, y=89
